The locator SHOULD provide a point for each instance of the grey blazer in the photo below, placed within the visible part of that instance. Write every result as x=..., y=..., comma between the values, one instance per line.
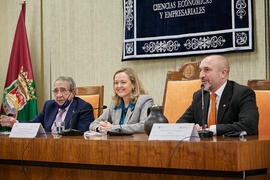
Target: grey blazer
x=134, y=120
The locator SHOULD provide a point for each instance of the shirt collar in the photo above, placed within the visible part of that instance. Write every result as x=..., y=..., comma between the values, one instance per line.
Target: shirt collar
x=122, y=106
x=220, y=90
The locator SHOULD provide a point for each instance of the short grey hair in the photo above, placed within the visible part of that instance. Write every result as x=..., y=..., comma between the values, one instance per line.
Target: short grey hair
x=71, y=82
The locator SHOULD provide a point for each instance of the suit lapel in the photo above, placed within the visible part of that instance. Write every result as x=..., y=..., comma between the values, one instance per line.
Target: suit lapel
x=128, y=115
x=52, y=117
x=206, y=105
x=71, y=110
x=224, y=101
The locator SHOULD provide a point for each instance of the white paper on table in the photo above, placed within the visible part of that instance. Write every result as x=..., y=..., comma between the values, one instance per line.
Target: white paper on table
x=27, y=130
x=174, y=131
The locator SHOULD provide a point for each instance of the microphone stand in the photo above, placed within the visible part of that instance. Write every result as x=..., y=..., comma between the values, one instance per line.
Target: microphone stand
x=75, y=132
x=70, y=131
x=204, y=133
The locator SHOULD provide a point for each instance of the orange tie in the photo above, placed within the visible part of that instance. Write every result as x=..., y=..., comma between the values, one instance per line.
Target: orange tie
x=212, y=116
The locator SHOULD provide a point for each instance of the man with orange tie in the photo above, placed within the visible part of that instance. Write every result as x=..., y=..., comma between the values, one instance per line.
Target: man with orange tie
x=230, y=108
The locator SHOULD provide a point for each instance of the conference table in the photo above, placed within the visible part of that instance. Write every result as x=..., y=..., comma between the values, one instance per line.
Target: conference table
x=134, y=157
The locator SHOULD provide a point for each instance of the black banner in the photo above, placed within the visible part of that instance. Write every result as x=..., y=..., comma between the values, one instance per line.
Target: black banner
x=170, y=28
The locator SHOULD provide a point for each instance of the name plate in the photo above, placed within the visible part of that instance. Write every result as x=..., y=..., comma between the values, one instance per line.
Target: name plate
x=27, y=130
x=174, y=132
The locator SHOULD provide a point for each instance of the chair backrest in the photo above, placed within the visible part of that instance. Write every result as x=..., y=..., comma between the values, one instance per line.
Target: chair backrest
x=259, y=84
x=262, y=91
x=93, y=95
x=179, y=88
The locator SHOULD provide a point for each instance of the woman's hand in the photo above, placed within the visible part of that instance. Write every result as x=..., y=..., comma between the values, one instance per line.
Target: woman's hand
x=104, y=126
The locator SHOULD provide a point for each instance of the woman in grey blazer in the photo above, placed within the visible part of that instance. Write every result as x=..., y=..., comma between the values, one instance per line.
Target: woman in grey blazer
x=130, y=103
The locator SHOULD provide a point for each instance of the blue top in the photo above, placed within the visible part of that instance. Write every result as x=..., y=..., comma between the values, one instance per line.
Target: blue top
x=124, y=110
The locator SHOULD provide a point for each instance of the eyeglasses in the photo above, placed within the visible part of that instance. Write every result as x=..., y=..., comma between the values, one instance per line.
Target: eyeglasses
x=61, y=90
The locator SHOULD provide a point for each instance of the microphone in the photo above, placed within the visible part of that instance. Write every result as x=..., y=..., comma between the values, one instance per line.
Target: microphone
x=204, y=133
x=120, y=132
x=85, y=110
x=75, y=132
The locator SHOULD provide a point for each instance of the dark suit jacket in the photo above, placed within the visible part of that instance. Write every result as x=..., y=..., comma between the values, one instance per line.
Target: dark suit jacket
x=80, y=121
x=237, y=110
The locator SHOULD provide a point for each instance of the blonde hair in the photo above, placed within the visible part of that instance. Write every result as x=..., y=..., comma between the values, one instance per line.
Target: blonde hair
x=136, y=91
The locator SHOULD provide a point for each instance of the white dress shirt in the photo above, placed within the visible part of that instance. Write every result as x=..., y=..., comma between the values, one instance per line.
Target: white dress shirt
x=218, y=93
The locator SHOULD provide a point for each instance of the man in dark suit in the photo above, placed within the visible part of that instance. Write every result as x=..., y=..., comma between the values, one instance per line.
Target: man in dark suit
x=235, y=105
x=61, y=109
